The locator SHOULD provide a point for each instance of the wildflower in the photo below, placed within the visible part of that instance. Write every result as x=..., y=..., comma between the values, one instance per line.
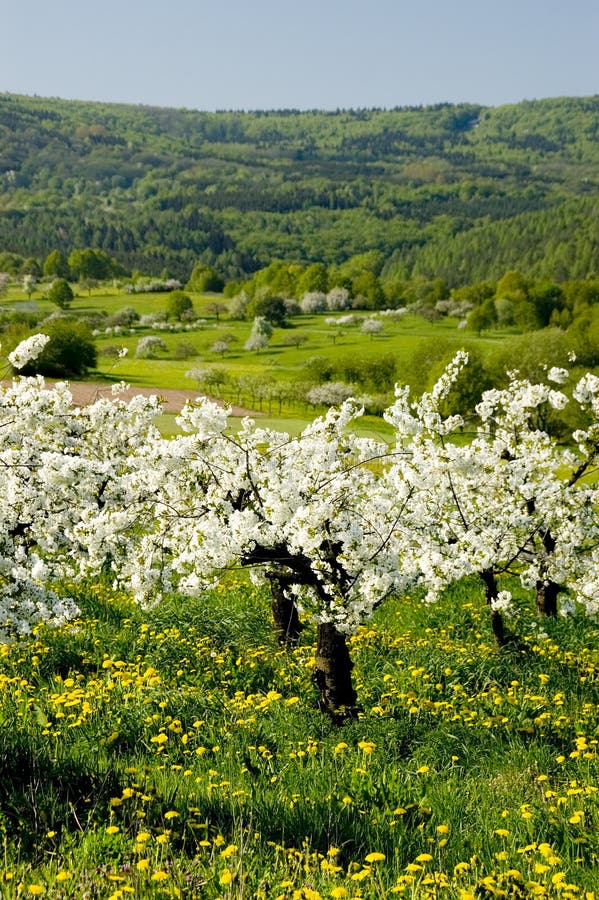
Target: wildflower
x=160, y=875
x=375, y=857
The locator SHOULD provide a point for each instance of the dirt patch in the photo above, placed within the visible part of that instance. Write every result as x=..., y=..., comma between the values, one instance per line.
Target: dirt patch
x=85, y=392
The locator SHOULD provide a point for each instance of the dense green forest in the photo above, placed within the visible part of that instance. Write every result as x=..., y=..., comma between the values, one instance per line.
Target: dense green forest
x=460, y=192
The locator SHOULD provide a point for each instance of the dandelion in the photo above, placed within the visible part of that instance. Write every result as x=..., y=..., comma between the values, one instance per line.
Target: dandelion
x=160, y=875
x=226, y=877
x=36, y=889
x=375, y=857
x=112, y=829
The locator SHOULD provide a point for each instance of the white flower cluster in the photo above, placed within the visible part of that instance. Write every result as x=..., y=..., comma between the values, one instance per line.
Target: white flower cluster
x=27, y=350
x=343, y=520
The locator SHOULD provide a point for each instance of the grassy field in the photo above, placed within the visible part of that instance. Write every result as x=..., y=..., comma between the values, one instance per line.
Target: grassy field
x=179, y=753
x=281, y=362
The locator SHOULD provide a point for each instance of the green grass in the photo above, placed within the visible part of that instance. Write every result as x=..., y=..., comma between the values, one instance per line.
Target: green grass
x=180, y=753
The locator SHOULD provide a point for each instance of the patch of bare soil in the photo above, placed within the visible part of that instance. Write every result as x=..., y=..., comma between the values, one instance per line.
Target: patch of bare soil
x=85, y=392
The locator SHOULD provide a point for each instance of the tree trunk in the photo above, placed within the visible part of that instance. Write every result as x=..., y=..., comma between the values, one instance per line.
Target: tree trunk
x=547, y=597
x=287, y=623
x=497, y=623
x=332, y=674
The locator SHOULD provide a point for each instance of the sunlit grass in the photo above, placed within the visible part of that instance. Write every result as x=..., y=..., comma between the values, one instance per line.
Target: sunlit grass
x=180, y=752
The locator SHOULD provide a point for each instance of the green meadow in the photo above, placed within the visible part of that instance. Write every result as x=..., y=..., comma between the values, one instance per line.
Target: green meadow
x=289, y=359
x=180, y=753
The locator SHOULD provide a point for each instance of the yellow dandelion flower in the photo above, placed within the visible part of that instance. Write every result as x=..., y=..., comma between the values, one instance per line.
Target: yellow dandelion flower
x=113, y=829
x=171, y=814
x=160, y=875
x=226, y=877
x=375, y=857
x=423, y=770
x=143, y=864
x=363, y=873
x=36, y=889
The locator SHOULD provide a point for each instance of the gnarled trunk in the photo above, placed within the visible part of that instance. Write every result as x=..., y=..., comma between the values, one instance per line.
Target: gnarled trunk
x=547, y=592
x=287, y=625
x=491, y=592
x=332, y=674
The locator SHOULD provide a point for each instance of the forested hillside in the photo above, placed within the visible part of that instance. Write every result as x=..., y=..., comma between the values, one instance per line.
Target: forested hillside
x=460, y=192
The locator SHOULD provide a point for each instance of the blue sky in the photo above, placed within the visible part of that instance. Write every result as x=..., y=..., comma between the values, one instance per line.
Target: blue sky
x=272, y=54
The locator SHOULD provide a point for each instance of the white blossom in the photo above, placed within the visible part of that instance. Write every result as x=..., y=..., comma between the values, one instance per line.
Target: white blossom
x=27, y=350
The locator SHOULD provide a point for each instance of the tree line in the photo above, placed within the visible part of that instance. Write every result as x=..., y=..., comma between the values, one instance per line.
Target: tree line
x=461, y=191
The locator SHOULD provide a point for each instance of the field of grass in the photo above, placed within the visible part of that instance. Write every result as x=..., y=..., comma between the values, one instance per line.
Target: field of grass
x=281, y=361
x=180, y=753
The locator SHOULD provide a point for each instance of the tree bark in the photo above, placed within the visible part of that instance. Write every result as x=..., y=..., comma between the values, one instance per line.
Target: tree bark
x=497, y=623
x=547, y=593
x=332, y=674
x=287, y=625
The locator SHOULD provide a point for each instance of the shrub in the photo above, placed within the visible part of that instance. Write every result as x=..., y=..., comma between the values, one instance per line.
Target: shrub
x=70, y=352
x=177, y=304
x=61, y=293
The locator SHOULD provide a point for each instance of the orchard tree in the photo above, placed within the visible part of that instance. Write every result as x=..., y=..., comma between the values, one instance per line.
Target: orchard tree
x=216, y=309
x=260, y=335
x=149, y=346
x=303, y=513
x=29, y=285
x=58, y=463
x=371, y=327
